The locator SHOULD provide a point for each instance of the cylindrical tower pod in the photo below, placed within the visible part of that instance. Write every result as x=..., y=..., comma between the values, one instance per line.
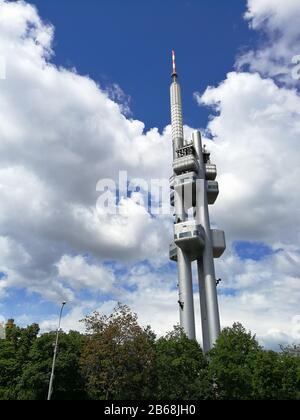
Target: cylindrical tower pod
x=202, y=217
x=186, y=298
x=176, y=115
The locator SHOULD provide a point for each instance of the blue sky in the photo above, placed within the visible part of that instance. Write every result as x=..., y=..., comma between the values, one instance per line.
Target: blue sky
x=130, y=42
x=99, y=104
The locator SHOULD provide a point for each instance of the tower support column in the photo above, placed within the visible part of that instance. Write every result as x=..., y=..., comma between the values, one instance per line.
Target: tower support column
x=186, y=298
x=209, y=278
x=185, y=280
x=203, y=307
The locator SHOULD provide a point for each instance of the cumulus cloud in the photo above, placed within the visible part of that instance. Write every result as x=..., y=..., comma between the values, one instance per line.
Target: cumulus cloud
x=265, y=294
x=85, y=276
x=278, y=21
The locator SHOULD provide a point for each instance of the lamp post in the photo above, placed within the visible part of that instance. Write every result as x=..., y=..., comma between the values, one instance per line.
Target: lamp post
x=50, y=390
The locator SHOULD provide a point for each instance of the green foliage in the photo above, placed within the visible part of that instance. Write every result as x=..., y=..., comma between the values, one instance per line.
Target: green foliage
x=275, y=377
x=231, y=363
x=181, y=369
x=69, y=384
x=26, y=360
x=13, y=356
x=8, y=369
x=242, y=370
x=118, y=359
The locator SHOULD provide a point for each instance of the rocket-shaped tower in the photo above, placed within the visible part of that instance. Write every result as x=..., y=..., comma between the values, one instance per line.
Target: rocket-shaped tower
x=193, y=188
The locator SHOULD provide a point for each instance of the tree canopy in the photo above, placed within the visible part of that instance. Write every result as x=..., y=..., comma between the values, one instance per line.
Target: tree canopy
x=117, y=358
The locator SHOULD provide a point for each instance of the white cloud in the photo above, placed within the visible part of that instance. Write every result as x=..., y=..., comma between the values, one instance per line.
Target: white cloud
x=266, y=294
x=82, y=275
x=279, y=22
x=266, y=298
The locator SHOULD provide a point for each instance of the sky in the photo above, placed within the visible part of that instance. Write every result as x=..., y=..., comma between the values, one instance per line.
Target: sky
x=84, y=94
x=129, y=43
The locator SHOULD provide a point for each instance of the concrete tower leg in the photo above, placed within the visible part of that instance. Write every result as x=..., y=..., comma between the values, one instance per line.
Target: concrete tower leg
x=204, y=323
x=210, y=287
x=202, y=217
x=185, y=281
x=186, y=299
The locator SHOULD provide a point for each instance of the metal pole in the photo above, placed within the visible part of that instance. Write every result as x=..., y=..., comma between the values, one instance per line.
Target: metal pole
x=50, y=390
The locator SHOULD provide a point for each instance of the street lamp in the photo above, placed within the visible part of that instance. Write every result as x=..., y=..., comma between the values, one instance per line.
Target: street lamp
x=50, y=390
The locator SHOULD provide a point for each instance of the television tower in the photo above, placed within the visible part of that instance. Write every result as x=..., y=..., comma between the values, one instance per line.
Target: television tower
x=194, y=187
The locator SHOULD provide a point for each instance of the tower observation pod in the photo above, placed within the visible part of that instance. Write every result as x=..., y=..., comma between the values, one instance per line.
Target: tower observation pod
x=194, y=187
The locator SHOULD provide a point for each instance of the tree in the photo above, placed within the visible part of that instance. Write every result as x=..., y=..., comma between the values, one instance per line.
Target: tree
x=8, y=370
x=275, y=377
x=181, y=369
x=231, y=363
x=117, y=360
x=68, y=383
x=290, y=377
x=291, y=350
x=14, y=352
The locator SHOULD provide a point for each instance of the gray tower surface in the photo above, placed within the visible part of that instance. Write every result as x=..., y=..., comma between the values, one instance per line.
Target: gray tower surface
x=193, y=186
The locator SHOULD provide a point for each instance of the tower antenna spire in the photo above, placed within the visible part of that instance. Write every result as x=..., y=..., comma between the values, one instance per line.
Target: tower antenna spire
x=174, y=72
